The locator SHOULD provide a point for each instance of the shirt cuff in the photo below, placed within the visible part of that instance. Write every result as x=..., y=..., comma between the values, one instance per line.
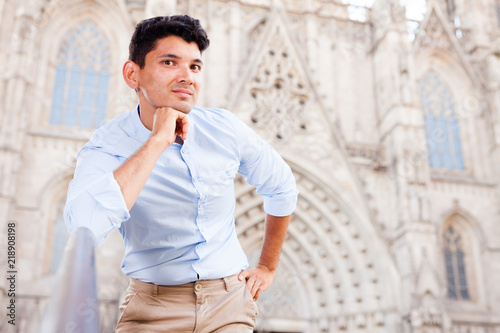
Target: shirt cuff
x=107, y=193
x=281, y=205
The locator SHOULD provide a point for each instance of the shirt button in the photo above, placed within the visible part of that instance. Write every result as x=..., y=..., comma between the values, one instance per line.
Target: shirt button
x=198, y=287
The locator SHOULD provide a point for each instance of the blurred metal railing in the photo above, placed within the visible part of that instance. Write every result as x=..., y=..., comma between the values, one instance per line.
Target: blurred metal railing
x=73, y=305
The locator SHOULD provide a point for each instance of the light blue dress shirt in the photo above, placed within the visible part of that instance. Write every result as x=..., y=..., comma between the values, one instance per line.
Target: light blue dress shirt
x=181, y=228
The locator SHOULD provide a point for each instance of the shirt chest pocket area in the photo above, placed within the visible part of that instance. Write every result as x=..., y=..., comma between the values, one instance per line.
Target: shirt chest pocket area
x=219, y=181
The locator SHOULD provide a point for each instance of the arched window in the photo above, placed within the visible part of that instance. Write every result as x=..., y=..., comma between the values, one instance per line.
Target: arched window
x=81, y=80
x=444, y=148
x=454, y=256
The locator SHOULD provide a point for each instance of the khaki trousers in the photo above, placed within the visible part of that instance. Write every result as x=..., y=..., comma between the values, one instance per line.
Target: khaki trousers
x=222, y=305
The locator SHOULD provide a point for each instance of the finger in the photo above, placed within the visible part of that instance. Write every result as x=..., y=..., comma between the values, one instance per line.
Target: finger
x=257, y=294
x=243, y=275
x=250, y=282
x=253, y=284
x=255, y=288
x=164, y=123
x=181, y=124
x=184, y=127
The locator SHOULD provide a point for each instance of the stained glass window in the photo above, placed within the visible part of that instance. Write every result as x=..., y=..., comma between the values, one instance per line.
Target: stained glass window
x=81, y=80
x=454, y=256
x=444, y=148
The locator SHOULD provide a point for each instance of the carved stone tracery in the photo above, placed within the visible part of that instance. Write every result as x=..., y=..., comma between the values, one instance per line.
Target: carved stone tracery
x=435, y=34
x=279, y=89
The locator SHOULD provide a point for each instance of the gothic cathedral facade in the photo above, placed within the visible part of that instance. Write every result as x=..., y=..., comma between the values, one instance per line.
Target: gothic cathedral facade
x=391, y=126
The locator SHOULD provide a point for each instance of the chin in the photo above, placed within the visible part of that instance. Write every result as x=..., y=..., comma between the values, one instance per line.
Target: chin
x=184, y=107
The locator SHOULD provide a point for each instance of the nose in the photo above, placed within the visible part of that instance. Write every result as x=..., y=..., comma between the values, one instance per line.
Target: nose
x=185, y=75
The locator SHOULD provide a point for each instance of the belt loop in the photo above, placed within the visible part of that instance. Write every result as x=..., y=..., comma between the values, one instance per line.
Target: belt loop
x=227, y=283
x=155, y=290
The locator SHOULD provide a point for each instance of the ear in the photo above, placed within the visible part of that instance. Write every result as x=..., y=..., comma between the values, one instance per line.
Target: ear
x=131, y=74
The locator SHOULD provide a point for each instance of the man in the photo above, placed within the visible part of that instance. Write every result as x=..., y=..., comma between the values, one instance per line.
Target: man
x=163, y=174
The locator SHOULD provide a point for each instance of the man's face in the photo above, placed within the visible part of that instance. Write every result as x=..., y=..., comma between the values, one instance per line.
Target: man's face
x=171, y=76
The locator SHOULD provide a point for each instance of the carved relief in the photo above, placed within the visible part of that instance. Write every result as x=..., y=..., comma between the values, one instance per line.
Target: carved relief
x=279, y=91
x=434, y=34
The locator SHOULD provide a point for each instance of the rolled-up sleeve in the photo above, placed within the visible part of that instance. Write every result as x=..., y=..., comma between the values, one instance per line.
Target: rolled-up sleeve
x=264, y=168
x=94, y=197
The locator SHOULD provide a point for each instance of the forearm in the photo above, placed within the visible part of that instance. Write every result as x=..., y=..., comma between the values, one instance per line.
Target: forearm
x=134, y=172
x=275, y=233
x=261, y=277
x=94, y=198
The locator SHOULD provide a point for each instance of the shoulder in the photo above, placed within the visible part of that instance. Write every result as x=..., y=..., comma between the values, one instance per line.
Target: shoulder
x=112, y=133
x=215, y=116
x=210, y=113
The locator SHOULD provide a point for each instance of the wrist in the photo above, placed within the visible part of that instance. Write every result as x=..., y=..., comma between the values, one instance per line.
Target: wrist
x=270, y=269
x=157, y=143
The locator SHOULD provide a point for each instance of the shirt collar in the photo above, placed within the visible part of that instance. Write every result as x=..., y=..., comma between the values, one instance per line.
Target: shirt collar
x=141, y=133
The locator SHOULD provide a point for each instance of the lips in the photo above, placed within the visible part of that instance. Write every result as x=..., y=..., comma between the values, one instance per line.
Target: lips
x=182, y=92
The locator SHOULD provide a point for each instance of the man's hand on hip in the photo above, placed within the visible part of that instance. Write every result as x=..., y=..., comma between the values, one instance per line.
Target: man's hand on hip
x=258, y=279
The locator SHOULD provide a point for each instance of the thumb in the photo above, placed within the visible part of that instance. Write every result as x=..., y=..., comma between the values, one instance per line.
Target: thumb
x=243, y=275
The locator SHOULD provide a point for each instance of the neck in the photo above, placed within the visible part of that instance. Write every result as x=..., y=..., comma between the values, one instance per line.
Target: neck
x=147, y=114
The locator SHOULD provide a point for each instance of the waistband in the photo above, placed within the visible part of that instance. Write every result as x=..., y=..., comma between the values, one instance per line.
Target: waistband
x=227, y=283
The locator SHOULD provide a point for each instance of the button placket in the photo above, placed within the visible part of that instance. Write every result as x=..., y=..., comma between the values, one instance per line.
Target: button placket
x=198, y=185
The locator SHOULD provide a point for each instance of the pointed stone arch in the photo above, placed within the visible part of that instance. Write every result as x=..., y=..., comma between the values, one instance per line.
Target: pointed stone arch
x=465, y=220
x=474, y=246
x=55, y=20
x=276, y=81
x=442, y=127
x=437, y=38
x=332, y=273
x=468, y=100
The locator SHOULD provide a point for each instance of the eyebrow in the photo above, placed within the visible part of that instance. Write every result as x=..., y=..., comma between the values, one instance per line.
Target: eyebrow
x=174, y=56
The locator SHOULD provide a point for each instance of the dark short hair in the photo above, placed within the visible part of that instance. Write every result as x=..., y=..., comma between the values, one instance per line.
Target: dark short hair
x=149, y=31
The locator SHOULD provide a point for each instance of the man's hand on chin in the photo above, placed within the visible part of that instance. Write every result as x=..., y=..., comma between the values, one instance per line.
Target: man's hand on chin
x=169, y=123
